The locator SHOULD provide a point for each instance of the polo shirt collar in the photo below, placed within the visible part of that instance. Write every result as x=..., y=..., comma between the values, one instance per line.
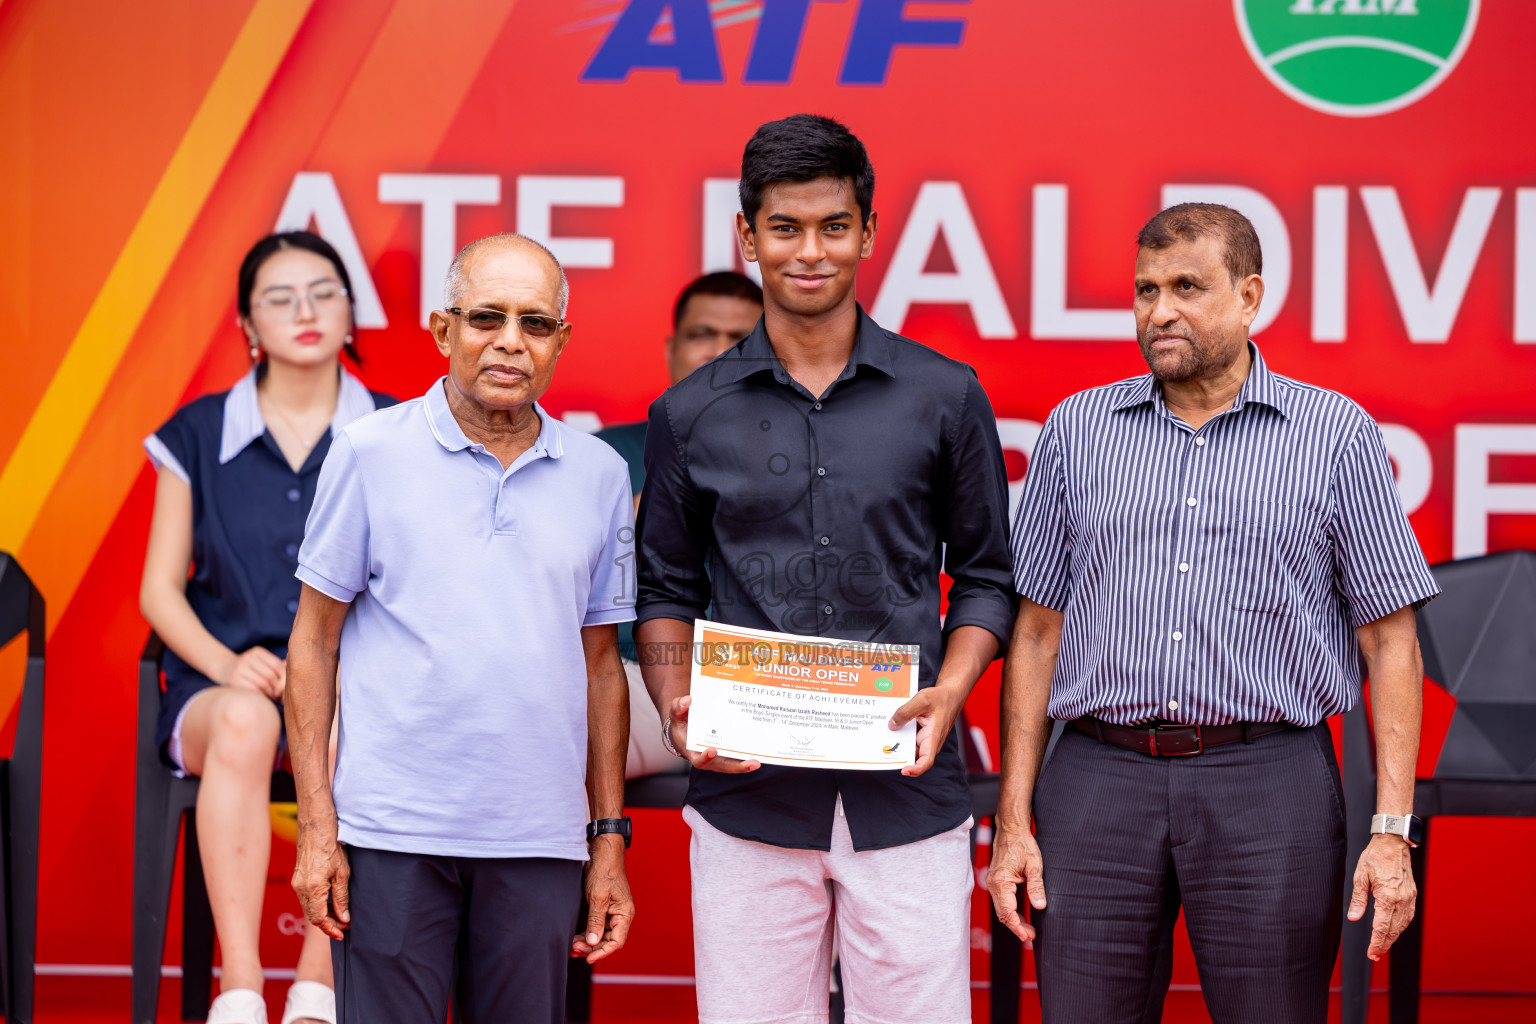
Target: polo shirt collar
x=445, y=427
x=871, y=347
x=242, y=412
x=1260, y=387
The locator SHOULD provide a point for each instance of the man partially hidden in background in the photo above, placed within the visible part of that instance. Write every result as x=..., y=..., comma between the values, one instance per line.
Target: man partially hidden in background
x=1205, y=555
x=465, y=563
x=713, y=313
x=812, y=480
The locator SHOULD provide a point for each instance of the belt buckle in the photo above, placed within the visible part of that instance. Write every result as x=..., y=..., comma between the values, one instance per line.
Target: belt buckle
x=1199, y=742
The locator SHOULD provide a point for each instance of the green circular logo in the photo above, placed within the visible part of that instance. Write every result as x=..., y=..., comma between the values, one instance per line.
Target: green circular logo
x=1356, y=58
x=882, y=684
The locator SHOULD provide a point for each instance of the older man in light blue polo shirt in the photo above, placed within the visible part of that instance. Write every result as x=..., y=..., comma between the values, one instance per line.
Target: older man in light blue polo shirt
x=466, y=561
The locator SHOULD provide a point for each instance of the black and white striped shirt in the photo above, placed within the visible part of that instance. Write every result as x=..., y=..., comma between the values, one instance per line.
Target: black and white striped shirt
x=1214, y=575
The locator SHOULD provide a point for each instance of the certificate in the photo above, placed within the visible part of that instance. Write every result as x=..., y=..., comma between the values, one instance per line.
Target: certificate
x=800, y=700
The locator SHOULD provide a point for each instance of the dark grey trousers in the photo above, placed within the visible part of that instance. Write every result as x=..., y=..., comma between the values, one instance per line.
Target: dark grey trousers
x=498, y=929
x=1248, y=838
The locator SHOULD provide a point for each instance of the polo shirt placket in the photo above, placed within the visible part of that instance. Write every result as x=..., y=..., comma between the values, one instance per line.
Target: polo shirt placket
x=504, y=507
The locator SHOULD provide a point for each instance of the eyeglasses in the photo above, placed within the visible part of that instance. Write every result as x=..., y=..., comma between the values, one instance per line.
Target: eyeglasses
x=533, y=325
x=323, y=298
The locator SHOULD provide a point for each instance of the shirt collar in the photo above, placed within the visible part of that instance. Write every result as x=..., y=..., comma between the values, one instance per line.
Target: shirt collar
x=445, y=427
x=871, y=347
x=1261, y=386
x=242, y=412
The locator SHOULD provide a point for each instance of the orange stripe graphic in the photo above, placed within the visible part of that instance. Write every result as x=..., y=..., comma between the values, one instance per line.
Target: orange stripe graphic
x=98, y=346
x=394, y=105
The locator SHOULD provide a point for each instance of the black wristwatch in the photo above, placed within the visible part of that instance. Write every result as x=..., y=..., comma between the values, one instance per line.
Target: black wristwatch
x=603, y=825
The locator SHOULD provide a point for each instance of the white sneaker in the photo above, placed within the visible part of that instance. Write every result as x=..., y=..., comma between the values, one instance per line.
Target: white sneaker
x=238, y=1006
x=310, y=1000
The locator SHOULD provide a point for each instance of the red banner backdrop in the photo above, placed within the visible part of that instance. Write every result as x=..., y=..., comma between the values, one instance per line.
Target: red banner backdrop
x=1018, y=147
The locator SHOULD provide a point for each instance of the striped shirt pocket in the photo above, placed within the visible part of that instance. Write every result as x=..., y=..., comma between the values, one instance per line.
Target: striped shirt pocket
x=1267, y=554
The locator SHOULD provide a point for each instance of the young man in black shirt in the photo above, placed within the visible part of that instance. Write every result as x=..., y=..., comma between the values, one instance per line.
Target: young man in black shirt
x=815, y=480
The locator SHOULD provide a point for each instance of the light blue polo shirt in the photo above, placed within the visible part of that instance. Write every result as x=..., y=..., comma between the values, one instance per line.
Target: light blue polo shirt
x=463, y=682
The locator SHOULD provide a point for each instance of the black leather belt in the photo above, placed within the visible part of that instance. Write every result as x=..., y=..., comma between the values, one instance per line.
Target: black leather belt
x=1170, y=740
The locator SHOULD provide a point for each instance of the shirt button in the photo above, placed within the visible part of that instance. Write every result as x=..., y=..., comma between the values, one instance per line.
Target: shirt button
x=827, y=610
x=1191, y=502
x=292, y=550
x=293, y=606
x=1183, y=567
x=1173, y=705
x=293, y=494
x=825, y=541
x=1177, y=635
x=1200, y=442
x=821, y=470
x=816, y=406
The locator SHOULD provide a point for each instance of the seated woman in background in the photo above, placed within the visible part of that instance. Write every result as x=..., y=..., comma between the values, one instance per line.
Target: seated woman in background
x=237, y=474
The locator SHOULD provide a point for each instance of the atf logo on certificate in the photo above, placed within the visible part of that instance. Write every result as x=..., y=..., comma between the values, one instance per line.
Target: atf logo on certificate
x=800, y=700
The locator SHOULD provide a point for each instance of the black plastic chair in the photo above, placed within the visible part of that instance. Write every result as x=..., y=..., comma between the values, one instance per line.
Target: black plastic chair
x=1479, y=642
x=669, y=791
x=161, y=802
x=21, y=608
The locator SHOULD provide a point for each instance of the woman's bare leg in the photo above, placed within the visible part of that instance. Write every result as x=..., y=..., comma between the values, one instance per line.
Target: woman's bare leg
x=229, y=740
x=315, y=957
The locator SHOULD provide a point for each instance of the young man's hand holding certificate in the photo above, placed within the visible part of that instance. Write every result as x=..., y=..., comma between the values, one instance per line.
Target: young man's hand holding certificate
x=796, y=700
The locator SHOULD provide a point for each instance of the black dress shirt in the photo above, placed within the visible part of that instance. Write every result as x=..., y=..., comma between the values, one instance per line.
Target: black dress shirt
x=832, y=517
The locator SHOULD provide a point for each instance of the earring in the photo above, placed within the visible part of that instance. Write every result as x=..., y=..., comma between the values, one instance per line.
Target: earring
x=349, y=338
x=255, y=352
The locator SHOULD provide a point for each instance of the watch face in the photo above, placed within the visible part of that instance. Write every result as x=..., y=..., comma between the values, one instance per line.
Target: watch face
x=1415, y=830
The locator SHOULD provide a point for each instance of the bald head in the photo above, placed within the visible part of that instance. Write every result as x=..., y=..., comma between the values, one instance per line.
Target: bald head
x=453, y=286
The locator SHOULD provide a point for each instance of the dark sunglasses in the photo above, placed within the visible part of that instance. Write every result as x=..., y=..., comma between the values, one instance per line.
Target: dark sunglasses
x=533, y=325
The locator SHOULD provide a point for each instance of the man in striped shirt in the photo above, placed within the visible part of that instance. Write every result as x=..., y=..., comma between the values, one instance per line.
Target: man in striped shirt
x=1206, y=553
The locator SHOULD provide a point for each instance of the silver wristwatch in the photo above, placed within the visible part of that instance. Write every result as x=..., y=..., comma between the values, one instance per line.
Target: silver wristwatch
x=1409, y=828
x=666, y=738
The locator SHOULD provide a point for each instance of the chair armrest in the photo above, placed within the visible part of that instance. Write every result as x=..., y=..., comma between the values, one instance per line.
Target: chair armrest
x=149, y=702
x=984, y=791
x=154, y=651
x=663, y=791
x=21, y=606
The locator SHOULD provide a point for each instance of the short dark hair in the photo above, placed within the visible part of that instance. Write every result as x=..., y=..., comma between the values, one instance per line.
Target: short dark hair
x=804, y=147
x=274, y=244
x=1189, y=221
x=722, y=282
